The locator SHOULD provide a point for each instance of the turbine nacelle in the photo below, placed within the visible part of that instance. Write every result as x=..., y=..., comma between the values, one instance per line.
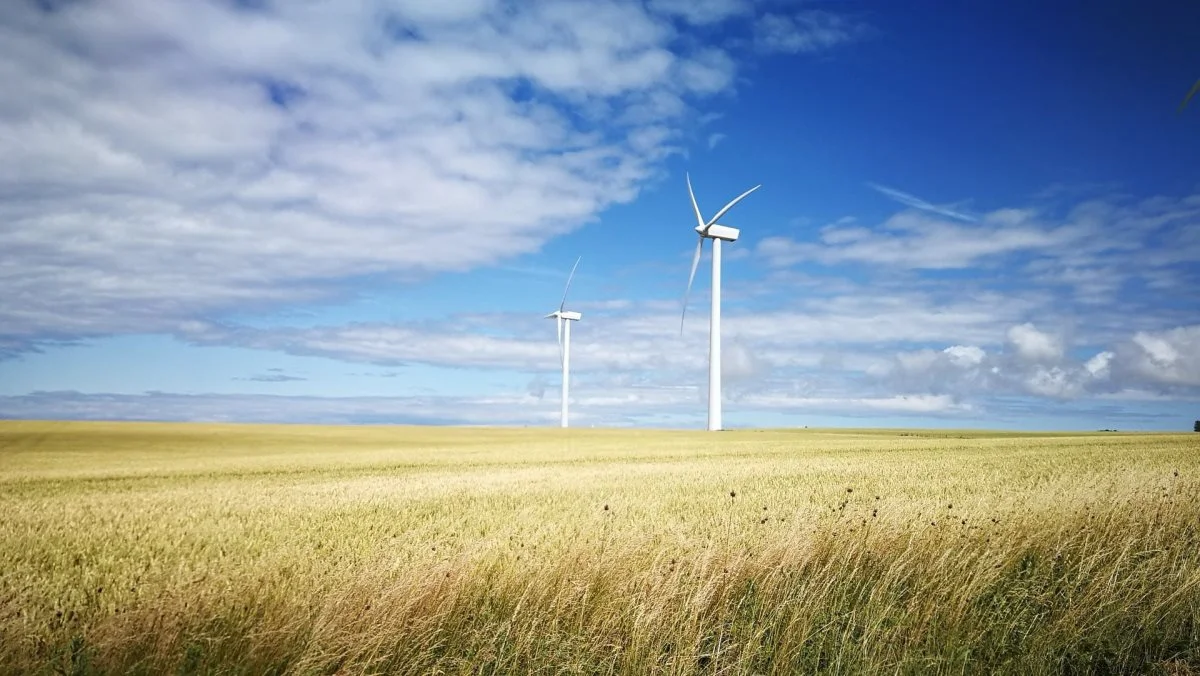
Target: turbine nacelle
x=566, y=314
x=709, y=229
x=718, y=231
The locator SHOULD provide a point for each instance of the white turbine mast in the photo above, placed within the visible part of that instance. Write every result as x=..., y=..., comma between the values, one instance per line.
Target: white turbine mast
x=563, y=319
x=717, y=233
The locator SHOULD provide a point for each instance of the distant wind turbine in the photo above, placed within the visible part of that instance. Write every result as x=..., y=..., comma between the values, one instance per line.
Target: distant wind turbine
x=717, y=233
x=563, y=319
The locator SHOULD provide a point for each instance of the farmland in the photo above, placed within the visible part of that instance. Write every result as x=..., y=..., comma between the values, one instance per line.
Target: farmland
x=154, y=548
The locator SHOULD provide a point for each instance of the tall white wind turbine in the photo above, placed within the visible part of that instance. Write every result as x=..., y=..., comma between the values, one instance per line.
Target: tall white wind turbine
x=717, y=233
x=563, y=319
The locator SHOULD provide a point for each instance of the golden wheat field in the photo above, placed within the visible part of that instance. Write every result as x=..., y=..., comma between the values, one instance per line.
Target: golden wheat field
x=159, y=548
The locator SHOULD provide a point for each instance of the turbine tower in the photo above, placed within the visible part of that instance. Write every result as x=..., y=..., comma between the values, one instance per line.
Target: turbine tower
x=717, y=233
x=563, y=319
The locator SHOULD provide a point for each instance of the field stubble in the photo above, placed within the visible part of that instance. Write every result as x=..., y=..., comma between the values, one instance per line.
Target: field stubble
x=145, y=548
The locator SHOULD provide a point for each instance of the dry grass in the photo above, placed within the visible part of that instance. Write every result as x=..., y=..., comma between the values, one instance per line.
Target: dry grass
x=138, y=548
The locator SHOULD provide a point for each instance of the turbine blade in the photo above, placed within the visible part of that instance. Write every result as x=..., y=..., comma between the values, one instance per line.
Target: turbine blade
x=729, y=206
x=569, y=278
x=695, y=207
x=691, y=278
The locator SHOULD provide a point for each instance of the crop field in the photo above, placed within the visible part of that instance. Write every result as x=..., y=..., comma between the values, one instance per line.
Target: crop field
x=158, y=548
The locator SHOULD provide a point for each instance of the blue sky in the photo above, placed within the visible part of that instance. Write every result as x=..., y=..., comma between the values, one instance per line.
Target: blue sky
x=974, y=215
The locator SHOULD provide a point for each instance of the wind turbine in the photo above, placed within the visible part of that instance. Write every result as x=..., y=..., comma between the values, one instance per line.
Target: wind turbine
x=717, y=233
x=563, y=319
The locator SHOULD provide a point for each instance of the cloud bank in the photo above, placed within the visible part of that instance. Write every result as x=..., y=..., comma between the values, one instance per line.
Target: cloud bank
x=168, y=162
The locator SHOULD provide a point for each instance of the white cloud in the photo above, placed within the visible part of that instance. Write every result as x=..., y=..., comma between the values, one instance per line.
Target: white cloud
x=1098, y=366
x=508, y=409
x=154, y=174
x=714, y=139
x=965, y=355
x=917, y=241
x=806, y=31
x=1035, y=346
x=739, y=362
x=644, y=336
x=1166, y=358
x=961, y=371
x=1093, y=249
x=1038, y=364
x=899, y=404
x=842, y=337
x=702, y=12
x=844, y=231
x=1052, y=381
x=662, y=382
x=1157, y=349
x=1091, y=283
x=392, y=345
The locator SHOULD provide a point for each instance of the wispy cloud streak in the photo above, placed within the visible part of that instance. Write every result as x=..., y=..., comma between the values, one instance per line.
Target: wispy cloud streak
x=915, y=202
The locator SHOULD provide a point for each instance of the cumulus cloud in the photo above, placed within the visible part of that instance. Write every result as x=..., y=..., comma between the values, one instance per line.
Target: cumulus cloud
x=1053, y=381
x=1033, y=345
x=1038, y=363
x=1165, y=358
x=1098, y=366
x=965, y=356
x=957, y=371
